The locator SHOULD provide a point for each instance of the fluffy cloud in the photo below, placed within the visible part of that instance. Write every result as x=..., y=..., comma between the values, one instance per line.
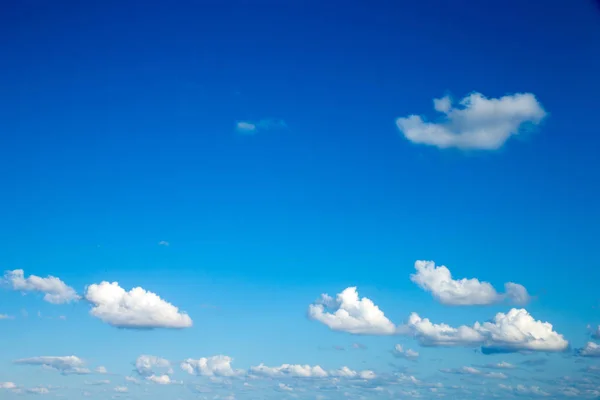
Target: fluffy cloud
x=307, y=371
x=463, y=292
x=121, y=389
x=591, y=349
x=251, y=128
x=7, y=385
x=210, y=366
x=290, y=370
x=65, y=365
x=409, y=354
x=137, y=308
x=38, y=390
x=146, y=365
x=6, y=316
x=161, y=379
x=478, y=123
x=511, y=332
x=55, y=291
x=101, y=370
x=350, y=314
x=500, y=365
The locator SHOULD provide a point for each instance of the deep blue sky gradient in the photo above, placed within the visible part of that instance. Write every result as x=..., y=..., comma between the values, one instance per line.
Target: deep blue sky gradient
x=117, y=131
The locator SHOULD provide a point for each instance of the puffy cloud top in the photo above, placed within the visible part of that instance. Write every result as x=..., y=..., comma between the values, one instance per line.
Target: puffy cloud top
x=146, y=365
x=137, y=308
x=307, y=371
x=463, y=292
x=591, y=349
x=408, y=353
x=210, y=366
x=514, y=331
x=350, y=314
x=478, y=123
x=55, y=291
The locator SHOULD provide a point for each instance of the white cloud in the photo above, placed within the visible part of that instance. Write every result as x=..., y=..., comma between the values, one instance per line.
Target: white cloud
x=38, y=390
x=5, y=316
x=430, y=334
x=146, y=365
x=55, y=291
x=595, y=333
x=7, y=385
x=591, y=349
x=65, y=365
x=478, y=123
x=517, y=330
x=290, y=370
x=121, y=389
x=251, y=127
x=210, y=366
x=97, y=383
x=475, y=371
x=163, y=243
x=463, y=292
x=101, y=370
x=284, y=387
x=137, y=308
x=511, y=332
x=132, y=379
x=500, y=365
x=351, y=314
x=525, y=390
x=409, y=354
x=308, y=371
x=161, y=379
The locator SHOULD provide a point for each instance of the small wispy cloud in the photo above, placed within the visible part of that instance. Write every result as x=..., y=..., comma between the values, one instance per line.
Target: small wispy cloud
x=6, y=316
x=163, y=243
x=253, y=127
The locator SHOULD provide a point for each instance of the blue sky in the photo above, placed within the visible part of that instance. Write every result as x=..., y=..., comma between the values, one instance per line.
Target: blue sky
x=240, y=160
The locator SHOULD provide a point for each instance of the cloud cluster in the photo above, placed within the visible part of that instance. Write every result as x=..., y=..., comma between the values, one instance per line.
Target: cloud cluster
x=211, y=366
x=136, y=308
x=308, y=371
x=463, y=292
x=67, y=365
x=514, y=331
x=348, y=313
x=477, y=123
x=147, y=365
x=55, y=291
x=590, y=349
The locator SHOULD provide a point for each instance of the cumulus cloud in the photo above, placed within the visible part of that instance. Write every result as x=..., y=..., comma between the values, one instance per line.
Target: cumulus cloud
x=210, y=366
x=463, y=292
x=290, y=370
x=253, y=127
x=514, y=331
x=137, y=308
x=7, y=385
x=308, y=371
x=65, y=365
x=591, y=349
x=146, y=365
x=163, y=243
x=400, y=352
x=349, y=313
x=121, y=389
x=161, y=379
x=38, y=390
x=6, y=316
x=55, y=291
x=477, y=123
x=500, y=365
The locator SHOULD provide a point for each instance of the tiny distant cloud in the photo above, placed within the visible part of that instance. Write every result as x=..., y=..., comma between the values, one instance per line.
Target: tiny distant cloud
x=251, y=127
x=400, y=352
x=477, y=123
x=359, y=346
x=6, y=316
x=163, y=243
